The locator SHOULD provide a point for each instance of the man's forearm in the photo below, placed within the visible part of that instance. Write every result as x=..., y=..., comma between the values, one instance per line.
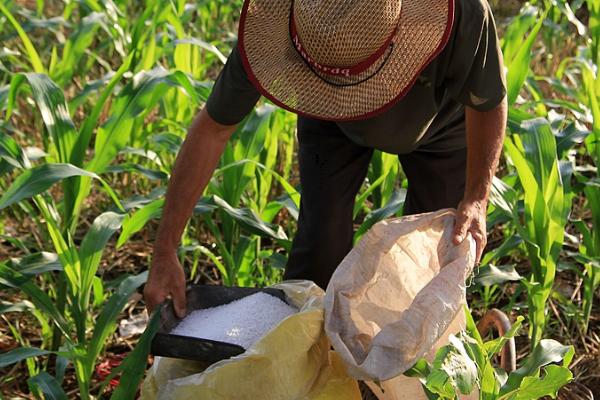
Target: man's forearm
x=194, y=166
x=485, y=136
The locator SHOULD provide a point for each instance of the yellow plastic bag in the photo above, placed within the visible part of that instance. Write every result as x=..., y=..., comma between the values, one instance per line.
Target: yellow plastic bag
x=291, y=362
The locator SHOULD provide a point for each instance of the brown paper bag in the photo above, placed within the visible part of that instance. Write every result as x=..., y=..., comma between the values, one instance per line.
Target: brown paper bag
x=397, y=295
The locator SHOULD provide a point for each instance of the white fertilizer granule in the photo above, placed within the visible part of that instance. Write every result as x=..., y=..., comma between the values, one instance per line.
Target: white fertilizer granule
x=240, y=322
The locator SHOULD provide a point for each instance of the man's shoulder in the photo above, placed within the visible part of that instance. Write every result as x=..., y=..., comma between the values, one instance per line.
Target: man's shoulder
x=473, y=10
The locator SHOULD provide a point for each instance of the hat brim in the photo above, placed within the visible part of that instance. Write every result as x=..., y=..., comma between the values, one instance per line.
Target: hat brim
x=282, y=75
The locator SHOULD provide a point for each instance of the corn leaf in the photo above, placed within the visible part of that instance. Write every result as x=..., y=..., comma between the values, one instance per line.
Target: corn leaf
x=134, y=365
x=85, y=134
x=90, y=251
x=247, y=143
x=594, y=24
x=137, y=168
x=546, y=352
x=395, y=204
x=12, y=153
x=554, y=378
x=136, y=99
x=490, y=274
x=494, y=347
x=453, y=370
x=6, y=307
x=512, y=39
x=105, y=322
x=37, y=180
x=20, y=354
x=136, y=221
x=37, y=263
x=250, y=221
x=39, y=298
x=53, y=109
x=518, y=67
x=48, y=385
x=34, y=57
x=75, y=46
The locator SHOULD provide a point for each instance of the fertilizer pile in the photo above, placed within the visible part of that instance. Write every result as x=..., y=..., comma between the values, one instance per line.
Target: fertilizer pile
x=240, y=322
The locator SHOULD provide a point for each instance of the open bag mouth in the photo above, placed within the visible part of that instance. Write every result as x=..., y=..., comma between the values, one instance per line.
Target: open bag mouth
x=167, y=344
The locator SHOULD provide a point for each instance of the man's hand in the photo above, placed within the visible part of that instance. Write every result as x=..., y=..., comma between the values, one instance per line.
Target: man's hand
x=470, y=217
x=166, y=278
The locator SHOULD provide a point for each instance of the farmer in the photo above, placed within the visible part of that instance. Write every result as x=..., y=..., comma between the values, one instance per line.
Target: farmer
x=422, y=79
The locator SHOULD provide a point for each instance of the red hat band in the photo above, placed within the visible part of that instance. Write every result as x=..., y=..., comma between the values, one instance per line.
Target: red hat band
x=337, y=71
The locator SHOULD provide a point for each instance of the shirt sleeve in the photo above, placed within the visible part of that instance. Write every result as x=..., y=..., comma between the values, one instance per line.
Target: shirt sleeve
x=475, y=75
x=233, y=95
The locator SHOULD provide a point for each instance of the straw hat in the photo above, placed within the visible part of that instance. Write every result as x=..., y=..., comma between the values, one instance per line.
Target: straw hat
x=340, y=59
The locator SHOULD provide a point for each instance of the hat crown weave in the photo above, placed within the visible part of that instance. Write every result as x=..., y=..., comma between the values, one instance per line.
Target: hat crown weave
x=343, y=33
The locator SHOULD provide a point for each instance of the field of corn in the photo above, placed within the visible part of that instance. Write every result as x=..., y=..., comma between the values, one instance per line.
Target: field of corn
x=95, y=100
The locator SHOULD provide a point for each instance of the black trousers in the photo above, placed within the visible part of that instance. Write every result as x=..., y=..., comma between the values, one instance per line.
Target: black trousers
x=332, y=170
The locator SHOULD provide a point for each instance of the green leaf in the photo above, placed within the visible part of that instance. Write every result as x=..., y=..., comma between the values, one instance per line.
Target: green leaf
x=250, y=221
x=76, y=45
x=490, y=274
x=438, y=382
x=518, y=68
x=546, y=208
x=384, y=164
x=136, y=221
x=12, y=153
x=360, y=200
x=34, y=57
x=42, y=301
x=132, y=167
x=246, y=145
x=395, y=204
x=39, y=179
x=6, y=307
x=567, y=138
x=85, y=134
x=134, y=365
x=503, y=197
x=535, y=388
x=494, y=347
x=53, y=108
x=420, y=370
x=452, y=371
x=90, y=251
x=48, y=385
x=509, y=245
x=105, y=323
x=516, y=31
x=136, y=99
x=488, y=385
x=38, y=263
x=204, y=45
x=20, y=354
x=546, y=352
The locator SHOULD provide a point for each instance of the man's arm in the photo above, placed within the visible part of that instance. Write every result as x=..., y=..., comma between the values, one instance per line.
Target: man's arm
x=485, y=136
x=194, y=166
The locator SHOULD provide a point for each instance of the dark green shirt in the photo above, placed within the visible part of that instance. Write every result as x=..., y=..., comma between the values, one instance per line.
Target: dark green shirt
x=468, y=72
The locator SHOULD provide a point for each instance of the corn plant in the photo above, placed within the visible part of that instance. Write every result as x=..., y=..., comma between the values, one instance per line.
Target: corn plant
x=590, y=251
x=245, y=176
x=465, y=365
x=583, y=85
x=531, y=149
x=117, y=84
